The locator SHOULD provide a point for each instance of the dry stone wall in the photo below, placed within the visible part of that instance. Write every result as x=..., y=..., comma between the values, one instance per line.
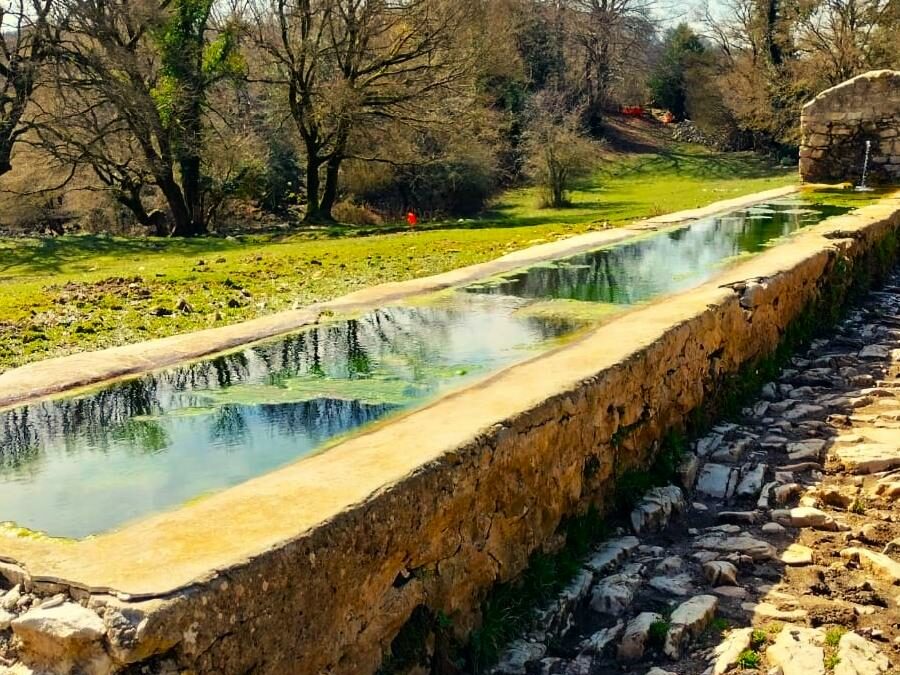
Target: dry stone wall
x=836, y=125
x=333, y=599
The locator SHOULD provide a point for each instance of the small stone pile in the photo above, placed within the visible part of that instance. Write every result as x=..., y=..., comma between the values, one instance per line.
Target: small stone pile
x=687, y=132
x=52, y=632
x=785, y=559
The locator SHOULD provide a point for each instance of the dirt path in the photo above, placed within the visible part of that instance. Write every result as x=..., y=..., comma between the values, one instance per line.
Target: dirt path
x=783, y=553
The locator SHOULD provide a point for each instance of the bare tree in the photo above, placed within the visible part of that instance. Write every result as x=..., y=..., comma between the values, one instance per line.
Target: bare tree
x=26, y=40
x=843, y=38
x=731, y=29
x=349, y=65
x=613, y=38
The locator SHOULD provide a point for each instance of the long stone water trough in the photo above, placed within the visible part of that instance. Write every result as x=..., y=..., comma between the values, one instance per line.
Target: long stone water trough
x=316, y=567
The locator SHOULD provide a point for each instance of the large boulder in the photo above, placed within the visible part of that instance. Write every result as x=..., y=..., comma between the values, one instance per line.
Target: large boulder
x=65, y=638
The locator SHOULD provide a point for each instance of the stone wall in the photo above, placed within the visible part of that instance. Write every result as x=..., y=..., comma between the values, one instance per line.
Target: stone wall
x=332, y=599
x=837, y=123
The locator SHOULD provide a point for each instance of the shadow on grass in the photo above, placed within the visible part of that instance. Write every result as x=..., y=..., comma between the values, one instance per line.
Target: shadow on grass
x=503, y=215
x=713, y=165
x=52, y=255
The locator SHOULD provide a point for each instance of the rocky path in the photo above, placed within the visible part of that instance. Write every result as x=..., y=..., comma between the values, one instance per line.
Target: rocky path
x=780, y=551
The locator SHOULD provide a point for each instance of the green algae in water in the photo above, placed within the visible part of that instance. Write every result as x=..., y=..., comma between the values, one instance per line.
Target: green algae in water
x=380, y=389
x=12, y=530
x=576, y=311
x=843, y=197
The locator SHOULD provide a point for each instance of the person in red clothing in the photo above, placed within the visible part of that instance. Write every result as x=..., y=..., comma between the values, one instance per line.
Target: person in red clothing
x=411, y=219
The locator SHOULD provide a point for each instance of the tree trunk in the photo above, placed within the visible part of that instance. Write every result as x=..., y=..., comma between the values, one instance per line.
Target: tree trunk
x=189, y=159
x=130, y=199
x=772, y=46
x=190, y=182
x=312, y=187
x=182, y=223
x=329, y=194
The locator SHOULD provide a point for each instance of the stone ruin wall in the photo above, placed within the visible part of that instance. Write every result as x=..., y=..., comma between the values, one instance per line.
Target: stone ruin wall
x=837, y=123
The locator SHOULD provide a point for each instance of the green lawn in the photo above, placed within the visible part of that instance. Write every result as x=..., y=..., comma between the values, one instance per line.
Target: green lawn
x=76, y=293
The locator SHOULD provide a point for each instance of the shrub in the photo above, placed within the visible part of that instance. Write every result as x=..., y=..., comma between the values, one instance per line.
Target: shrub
x=557, y=150
x=658, y=632
x=355, y=214
x=758, y=638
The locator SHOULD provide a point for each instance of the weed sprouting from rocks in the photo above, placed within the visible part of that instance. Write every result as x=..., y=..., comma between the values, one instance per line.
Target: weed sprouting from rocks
x=718, y=626
x=509, y=607
x=633, y=484
x=658, y=632
x=749, y=659
x=758, y=638
x=833, y=635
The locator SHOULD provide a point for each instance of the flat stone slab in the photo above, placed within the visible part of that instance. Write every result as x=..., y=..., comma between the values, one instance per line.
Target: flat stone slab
x=597, y=643
x=859, y=656
x=655, y=509
x=688, y=621
x=679, y=585
x=878, y=563
x=614, y=594
x=728, y=651
x=65, y=632
x=752, y=482
x=611, y=554
x=744, y=544
x=803, y=450
x=766, y=611
x=798, y=651
x=805, y=516
x=716, y=480
x=720, y=573
x=634, y=641
x=797, y=555
x=868, y=458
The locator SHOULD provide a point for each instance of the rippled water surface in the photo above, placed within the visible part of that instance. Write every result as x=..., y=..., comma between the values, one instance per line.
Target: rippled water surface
x=81, y=465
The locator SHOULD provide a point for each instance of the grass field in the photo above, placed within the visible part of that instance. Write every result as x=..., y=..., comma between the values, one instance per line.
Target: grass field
x=76, y=293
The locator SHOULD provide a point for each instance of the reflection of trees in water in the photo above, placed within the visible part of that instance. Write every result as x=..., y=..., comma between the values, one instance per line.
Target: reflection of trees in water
x=318, y=419
x=635, y=272
x=144, y=436
x=322, y=418
x=228, y=425
x=107, y=416
x=19, y=440
x=354, y=349
x=407, y=341
x=91, y=418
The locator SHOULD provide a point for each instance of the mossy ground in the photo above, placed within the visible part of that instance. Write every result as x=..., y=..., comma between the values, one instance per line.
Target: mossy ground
x=77, y=293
